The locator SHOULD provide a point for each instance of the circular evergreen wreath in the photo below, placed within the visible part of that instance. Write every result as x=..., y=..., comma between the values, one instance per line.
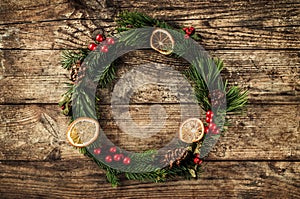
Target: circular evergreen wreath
x=94, y=68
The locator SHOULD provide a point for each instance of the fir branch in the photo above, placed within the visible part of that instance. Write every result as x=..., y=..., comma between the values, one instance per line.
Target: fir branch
x=112, y=177
x=202, y=77
x=158, y=175
x=131, y=20
x=200, y=87
x=236, y=99
x=107, y=76
x=69, y=58
x=128, y=20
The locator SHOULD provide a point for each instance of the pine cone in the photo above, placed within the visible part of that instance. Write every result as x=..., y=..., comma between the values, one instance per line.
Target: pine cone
x=77, y=72
x=74, y=71
x=217, y=97
x=175, y=155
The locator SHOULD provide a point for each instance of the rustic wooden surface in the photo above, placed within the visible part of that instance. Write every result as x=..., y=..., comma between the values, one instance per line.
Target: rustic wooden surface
x=259, y=42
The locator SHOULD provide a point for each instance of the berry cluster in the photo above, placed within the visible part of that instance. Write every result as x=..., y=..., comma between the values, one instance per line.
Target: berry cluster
x=188, y=31
x=112, y=155
x=197, y=159
x=100, y=39
x=211, y=125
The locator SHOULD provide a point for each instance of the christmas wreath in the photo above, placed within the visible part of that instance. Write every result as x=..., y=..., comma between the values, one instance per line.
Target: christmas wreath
x=94, y=68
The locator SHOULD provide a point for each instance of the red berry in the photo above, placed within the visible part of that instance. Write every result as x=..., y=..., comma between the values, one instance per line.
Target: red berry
x=97, y=151
x=63, y=107
x=185, y=29
x=212, y=126
x=121, y=156
x=191, y=30
x=113, y=149
x=92, y=46
x=117, y=157
x=208, y=119
x=200, y=162
x=196, y=160
x=104, y=49
x=197, y=155
x=110, y=41
x=99, y=38
x=206, y=129
x=209, y=114
x=186, y=36
x=108, y=158
x=216, y=131
x=126, y=160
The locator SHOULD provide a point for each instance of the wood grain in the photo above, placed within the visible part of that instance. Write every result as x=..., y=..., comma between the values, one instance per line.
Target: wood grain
x=259, y=42
x=31, y=132
x=80, y=178
x=277, y=28
x=270, y=76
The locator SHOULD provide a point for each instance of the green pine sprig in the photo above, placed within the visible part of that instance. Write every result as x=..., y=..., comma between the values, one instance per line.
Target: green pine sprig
x=70, y=58
x=235, y=96
x=130, y=20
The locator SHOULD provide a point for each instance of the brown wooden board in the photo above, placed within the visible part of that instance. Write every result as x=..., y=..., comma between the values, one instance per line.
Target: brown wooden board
x=270, y=76
x=224, y=25
x=259, y=42
x=32, y=132
x=80, y=178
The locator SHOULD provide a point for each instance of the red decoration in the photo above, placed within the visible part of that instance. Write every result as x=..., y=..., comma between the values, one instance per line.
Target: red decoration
x=110, y=41
x=208, y=119
x=113, y=149
x=196, y=160
x=185, y=29
x=117, y=157
x=216, y=131
x=209, y=114
x=200, y=161
x=121, y=155
x=99, y=38
x=108, y=159
x=92, y=46
x=63, y=107
x=212, y=126
x=190, y=30
x=206, y=129
x=126, y=160
x=104, y=49
x=97, y=151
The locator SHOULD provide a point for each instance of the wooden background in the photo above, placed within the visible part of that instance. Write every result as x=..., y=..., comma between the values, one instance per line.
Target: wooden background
x=259, y=42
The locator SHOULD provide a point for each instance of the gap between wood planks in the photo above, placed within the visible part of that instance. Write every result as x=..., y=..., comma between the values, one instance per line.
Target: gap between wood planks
x=38, y=133
x=76, y=178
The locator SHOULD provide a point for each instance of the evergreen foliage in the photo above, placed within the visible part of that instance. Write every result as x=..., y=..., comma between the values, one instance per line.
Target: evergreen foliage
x=236, y=98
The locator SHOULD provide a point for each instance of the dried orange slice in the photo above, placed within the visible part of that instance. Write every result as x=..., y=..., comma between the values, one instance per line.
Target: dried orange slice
x=83, y=132
x=191, y=130
x=162, y=41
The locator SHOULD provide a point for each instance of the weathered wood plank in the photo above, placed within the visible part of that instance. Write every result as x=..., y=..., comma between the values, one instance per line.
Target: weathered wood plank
x=29, y=11
x=36, y=162
x=228, y=13
x=225, y=25
x=34, y=132
x=238, y=63
x=270, y=76
x=18, y=12
x=76, y=33
x=81, y=178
